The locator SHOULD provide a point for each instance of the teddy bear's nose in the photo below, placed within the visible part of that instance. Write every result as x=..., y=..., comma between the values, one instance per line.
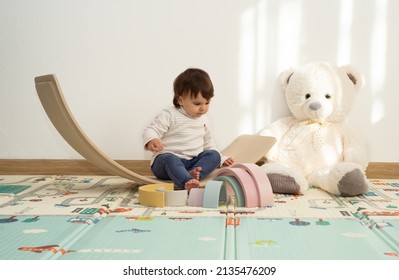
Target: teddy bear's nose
x=315, y=106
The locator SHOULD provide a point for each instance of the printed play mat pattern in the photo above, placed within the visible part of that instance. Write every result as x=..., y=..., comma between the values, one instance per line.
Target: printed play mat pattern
x=97, y=217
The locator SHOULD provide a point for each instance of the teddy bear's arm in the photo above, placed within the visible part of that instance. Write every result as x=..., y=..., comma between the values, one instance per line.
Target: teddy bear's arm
x=277, y=128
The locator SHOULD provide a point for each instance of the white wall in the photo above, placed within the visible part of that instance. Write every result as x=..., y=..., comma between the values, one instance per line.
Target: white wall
x=116, y=61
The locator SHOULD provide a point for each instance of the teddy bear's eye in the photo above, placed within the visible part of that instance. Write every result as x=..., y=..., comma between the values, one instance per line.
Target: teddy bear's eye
x=307, y=96
x=328, y=96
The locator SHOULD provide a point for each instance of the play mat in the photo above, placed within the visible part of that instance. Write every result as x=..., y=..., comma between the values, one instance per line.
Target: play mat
x=99, y=217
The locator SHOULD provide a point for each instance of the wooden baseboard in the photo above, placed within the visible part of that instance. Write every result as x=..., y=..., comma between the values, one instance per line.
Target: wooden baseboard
x=65, y=167
x=383, y=170
x=375, y=170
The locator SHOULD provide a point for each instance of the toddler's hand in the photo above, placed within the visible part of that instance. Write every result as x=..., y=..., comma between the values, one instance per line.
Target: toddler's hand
x=228, y=162
x=155, y=145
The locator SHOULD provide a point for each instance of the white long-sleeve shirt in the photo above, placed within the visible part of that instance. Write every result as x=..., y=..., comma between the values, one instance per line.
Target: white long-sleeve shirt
x=180, y=133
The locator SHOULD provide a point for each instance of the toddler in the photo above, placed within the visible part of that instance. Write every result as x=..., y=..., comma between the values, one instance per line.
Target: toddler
x=180, y=136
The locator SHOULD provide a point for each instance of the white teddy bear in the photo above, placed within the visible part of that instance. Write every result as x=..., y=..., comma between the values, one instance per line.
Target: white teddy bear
x=316, y=145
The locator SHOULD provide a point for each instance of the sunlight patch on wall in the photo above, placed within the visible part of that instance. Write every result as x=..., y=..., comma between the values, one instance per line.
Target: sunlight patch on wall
x=261, y=66
x=289, y=34
x=261, y=45
x=253, y=56
x=252, y=69
x=378, y=58
x=246, y=68
x=247, y=57
x=379, y=45
x=259, y=116
x=377, y=111
x=345, y=34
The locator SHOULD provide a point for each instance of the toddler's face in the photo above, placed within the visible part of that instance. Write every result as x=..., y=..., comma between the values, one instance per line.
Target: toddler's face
x=194, y=107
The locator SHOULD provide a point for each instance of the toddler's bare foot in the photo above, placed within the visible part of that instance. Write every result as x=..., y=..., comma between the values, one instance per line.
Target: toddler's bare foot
x=195, y=172
x=193, y=183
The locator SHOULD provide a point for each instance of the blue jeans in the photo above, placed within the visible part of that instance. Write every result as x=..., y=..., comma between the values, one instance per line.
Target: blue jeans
x=170, y=167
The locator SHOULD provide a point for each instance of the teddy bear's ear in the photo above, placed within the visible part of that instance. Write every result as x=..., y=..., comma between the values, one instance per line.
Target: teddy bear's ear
x=354, y=76
x=285, y=77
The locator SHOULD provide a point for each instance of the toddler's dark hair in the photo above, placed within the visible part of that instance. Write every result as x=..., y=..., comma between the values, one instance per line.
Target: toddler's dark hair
x=192, y=81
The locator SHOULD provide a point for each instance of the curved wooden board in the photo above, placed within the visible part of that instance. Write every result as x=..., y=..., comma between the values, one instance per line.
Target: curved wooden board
x=249, y=148
x=54, y=104
x=246, y=148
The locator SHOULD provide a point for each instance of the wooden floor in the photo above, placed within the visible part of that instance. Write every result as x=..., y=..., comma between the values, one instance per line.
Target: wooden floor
x=376, y=170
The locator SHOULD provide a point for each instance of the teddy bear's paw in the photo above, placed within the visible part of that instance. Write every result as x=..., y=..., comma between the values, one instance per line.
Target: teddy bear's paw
x=284, y=179
x=353, y=183
x=283, y=184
